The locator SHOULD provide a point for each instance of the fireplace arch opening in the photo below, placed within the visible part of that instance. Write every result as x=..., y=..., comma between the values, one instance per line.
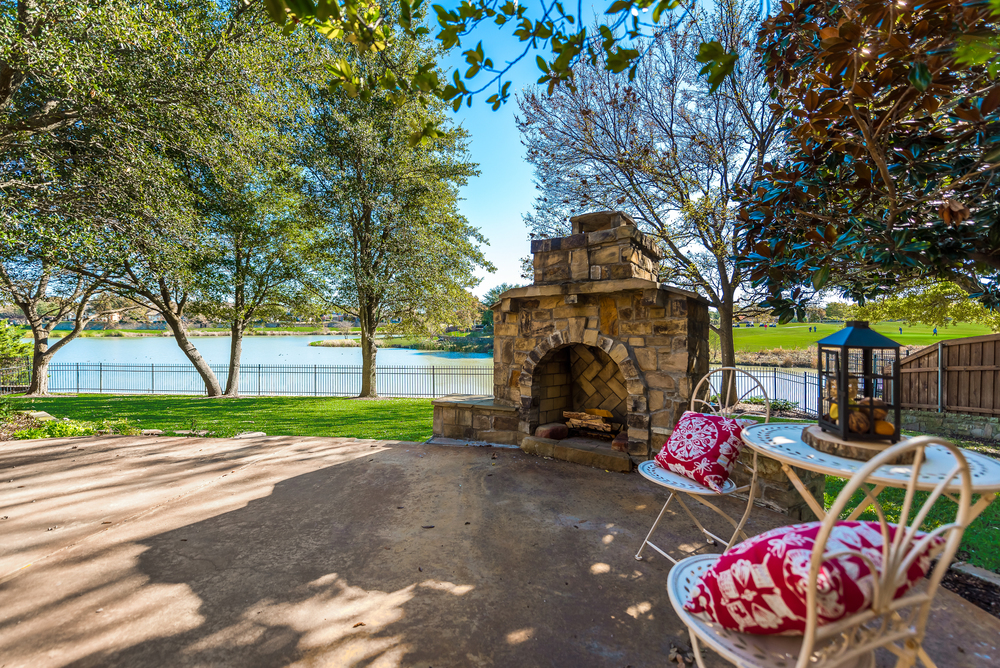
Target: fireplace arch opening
x=578, y=377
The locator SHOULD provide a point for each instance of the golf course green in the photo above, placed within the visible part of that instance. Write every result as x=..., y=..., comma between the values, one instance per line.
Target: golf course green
x=796, y=336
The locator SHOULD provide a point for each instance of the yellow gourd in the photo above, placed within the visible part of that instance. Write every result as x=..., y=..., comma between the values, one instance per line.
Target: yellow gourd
x=834, y=412
x=884, y=428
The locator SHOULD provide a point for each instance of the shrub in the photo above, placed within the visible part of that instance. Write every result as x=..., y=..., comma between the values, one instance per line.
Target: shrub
x=776, y=404
x=120, y=426
x=55, y=429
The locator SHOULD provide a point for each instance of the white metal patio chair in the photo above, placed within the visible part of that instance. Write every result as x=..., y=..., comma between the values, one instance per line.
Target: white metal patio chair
x=717, y=393
x=897, y=625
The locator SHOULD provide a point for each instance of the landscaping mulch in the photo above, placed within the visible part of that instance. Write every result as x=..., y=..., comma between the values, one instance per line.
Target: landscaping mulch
x=16, y=422
x=979, y=592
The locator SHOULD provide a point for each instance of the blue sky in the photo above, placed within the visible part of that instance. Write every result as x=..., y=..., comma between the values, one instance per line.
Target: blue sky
x=496, y=200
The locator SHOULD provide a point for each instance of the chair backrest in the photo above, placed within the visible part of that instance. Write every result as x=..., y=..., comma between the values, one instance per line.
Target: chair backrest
x=722, y=390
x=890, y=621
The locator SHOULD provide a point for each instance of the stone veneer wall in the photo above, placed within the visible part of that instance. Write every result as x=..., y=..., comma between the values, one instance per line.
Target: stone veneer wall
x=658, y=339
x=622, y=252
x=775, y=490
x=471, y=418
x=952, y=424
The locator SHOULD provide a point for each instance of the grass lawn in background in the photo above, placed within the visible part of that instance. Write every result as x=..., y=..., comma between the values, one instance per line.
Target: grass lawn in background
x=391, y=419
x=981, y=541
x=797, y=335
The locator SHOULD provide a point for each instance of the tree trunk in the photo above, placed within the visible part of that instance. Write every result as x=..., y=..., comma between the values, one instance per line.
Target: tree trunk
x=42, y=354
x=368, y=352
x=235, y=352
x=40, y=358
x=727, y=353
x=212, y=386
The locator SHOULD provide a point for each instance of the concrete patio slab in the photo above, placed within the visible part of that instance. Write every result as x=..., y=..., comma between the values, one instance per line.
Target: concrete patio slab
x=339, y=552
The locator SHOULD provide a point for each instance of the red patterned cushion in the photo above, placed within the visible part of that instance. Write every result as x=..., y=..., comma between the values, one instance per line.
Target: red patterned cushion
x=759, y=586
x=704, y=448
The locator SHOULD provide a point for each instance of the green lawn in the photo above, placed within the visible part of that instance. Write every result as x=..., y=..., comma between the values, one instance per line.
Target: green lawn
x=981, y=542
x=402, y=419
x=797, y=335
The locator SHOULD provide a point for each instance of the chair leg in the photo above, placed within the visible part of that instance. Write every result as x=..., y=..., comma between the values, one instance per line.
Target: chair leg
x=924, y=659
x=708, y=534
x=695, y=649
x=746, y=515
x=638, y=555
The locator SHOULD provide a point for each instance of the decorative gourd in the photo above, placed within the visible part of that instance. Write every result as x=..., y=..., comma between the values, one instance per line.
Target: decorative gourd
x=834, y=412
x=884, y=428
x=878, y=410
x=858, y=422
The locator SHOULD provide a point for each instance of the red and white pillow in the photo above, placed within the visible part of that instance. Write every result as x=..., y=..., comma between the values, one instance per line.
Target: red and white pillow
x=759, y=586
x=704, y=448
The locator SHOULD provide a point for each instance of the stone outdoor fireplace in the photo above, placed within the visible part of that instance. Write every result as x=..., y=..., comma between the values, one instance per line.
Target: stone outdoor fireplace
x=594, y=331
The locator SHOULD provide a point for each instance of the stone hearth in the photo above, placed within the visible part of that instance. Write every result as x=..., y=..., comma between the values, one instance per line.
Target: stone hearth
x=595, y=330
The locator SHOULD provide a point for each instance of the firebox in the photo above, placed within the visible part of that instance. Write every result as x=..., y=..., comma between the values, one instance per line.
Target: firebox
x=595, y=334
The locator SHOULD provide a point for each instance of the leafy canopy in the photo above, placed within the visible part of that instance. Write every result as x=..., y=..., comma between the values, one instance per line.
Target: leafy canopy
x=893, y=146
x=935, y=305
x=556, y=31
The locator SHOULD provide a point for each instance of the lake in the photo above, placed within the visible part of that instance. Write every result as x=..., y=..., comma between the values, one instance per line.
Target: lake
x=289, y=365
x=256, y=350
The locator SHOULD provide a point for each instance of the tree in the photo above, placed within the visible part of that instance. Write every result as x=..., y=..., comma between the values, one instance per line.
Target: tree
x=48, y=295
x=664, y=149
x=116, y=190
x=392, y=243
x=840, y=311
x=563, y=36
x=491, y=297
x=253, y=239
x=12, y=343
x=891, y=172
x=935, y=305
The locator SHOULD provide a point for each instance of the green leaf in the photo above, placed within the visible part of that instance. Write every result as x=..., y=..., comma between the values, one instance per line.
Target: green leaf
x=920, y=76
x=618, y=6
x=821, y=277
x=276, y=10
x=719, y=64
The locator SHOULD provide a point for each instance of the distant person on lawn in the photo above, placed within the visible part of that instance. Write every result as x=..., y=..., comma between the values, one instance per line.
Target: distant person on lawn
x=935, y=331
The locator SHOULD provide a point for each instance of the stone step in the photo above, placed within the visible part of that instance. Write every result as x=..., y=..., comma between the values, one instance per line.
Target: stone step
x=579, y=451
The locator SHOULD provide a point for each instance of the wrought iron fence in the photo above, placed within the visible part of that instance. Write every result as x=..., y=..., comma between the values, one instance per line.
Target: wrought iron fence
x=799, y=386
x=270, y=380
x=15, y=376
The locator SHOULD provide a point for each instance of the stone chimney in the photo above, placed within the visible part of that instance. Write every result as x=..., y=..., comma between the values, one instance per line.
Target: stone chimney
x=604, y=245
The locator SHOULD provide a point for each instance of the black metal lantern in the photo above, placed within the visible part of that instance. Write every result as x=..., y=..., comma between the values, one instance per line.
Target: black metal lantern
x=859, y=384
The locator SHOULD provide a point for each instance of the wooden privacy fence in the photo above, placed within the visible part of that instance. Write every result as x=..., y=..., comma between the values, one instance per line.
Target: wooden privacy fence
x=958, y=376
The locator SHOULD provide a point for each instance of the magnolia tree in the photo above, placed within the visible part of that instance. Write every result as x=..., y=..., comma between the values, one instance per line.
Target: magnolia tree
x=891, y=172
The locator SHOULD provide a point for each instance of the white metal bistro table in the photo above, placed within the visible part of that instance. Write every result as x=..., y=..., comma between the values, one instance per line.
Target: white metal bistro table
x=783, y=442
